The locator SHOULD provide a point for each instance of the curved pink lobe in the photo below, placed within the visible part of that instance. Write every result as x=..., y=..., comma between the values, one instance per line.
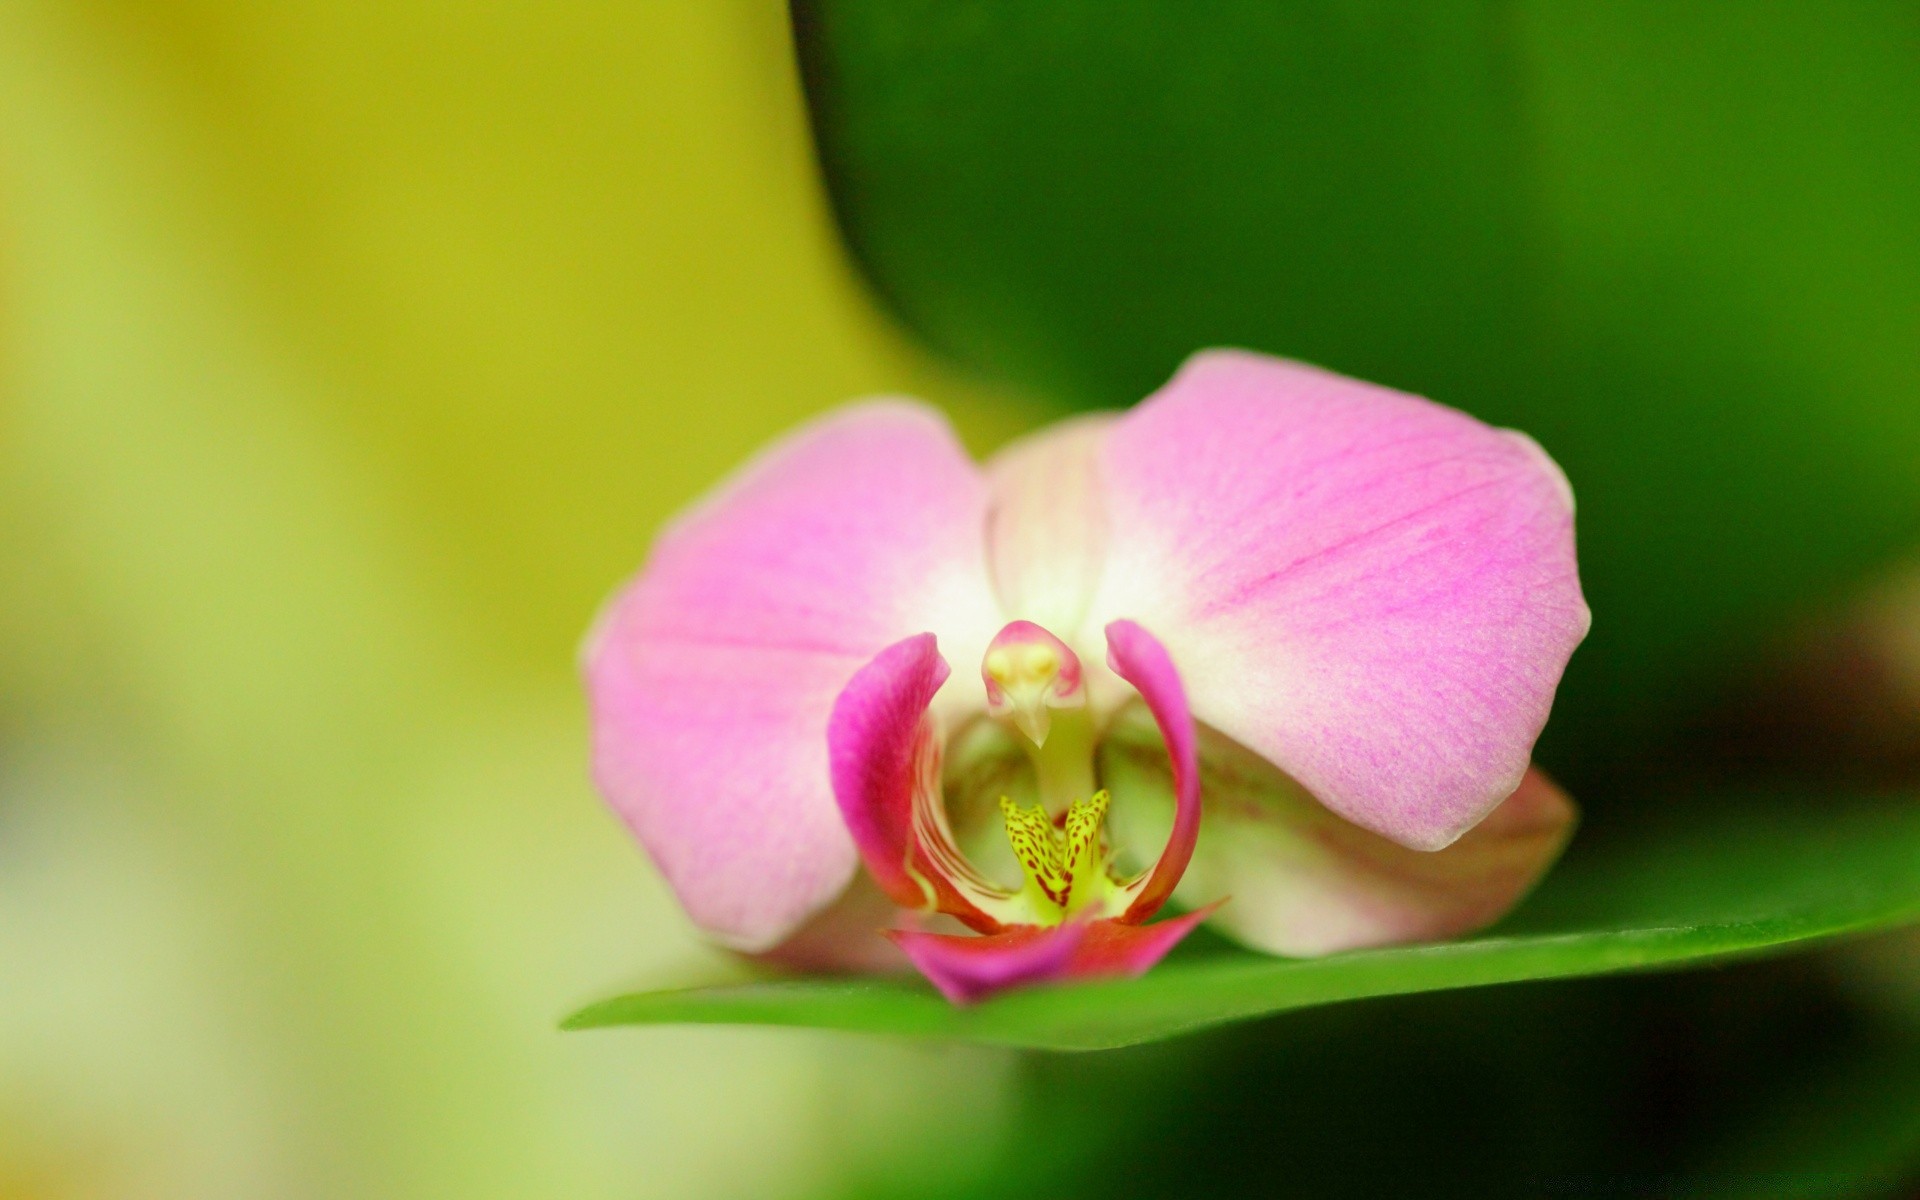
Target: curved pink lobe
x=876, y=740
x=1138, y=658
x=712, y=676
x=968, y=969
x=883, y=754
x=1375, y=592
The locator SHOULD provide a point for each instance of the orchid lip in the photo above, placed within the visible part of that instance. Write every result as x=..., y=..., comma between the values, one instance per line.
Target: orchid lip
x=886, y=745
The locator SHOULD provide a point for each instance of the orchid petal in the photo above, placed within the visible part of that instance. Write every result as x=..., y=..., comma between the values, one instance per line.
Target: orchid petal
x=1331, y=886
x=1138, y=658
x=968, y=969
x=884, y=751
x=1307, y=882
x=712, y=675
x=844, y=937
x=1047, y=525
x=1374, y=592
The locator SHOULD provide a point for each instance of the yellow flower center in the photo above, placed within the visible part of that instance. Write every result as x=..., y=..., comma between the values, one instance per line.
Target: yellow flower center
x=1065, y=865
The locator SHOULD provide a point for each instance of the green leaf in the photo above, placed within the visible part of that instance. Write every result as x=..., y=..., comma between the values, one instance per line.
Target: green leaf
x=1744, y=876
x=1681, y=250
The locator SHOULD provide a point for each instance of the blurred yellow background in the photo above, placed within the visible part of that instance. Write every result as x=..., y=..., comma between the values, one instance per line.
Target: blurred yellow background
x=349, y=355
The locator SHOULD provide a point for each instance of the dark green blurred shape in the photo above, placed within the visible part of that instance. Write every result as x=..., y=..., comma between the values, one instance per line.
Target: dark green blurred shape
x=1568, y=1089
x=1678, y=243
x=1849, y=1128
x=1742, y=875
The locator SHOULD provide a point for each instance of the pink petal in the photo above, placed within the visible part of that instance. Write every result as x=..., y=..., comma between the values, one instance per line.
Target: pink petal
x=1316, y=886
x=1137, y=658
x=845, y=938
x=968, y=969
x=712, y=675
x=1047, y=525
x=1306, y=882
x=1373, y=591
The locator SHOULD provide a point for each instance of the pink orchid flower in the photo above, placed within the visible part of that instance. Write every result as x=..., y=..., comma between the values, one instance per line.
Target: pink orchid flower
x=1334, y=617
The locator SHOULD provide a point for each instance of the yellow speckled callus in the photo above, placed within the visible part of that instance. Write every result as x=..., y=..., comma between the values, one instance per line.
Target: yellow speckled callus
x=1065, y=867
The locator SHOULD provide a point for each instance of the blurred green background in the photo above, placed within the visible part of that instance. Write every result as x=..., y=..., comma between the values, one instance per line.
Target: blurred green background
x=1675, y=242
x=350, y=355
